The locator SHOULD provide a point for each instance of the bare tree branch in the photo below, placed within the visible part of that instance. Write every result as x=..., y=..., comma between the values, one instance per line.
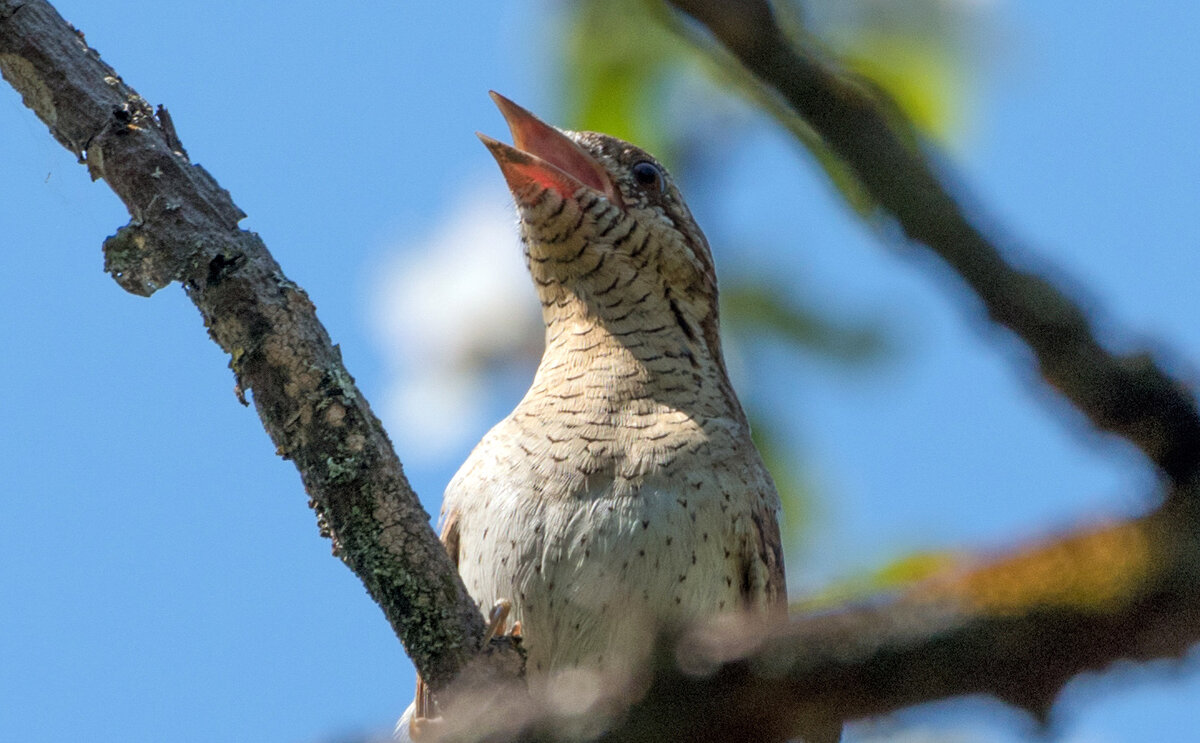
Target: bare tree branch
x=1128, y=395
x=184, y=229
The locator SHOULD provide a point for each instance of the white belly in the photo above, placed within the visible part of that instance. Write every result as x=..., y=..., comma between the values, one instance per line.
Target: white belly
x=592, y=580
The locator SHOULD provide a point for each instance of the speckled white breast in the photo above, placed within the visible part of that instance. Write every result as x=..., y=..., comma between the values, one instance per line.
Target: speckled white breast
x=592, y=574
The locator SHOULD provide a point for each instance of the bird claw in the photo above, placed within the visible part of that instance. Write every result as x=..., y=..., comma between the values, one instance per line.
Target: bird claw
x=425, y=724
x=497, y=619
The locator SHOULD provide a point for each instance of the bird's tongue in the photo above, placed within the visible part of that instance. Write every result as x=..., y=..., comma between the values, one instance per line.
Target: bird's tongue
x=549, y=147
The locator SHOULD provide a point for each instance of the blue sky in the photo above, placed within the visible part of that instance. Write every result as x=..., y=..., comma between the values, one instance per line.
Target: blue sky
x=163, y=578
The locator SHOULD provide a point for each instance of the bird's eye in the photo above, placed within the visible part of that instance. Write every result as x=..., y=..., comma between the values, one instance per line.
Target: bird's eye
x=648, y=175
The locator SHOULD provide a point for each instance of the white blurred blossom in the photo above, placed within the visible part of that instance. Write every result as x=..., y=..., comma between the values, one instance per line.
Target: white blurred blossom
x=449, y=309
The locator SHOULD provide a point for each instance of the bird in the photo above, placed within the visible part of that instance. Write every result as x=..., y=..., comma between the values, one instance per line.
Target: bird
x=623, y=493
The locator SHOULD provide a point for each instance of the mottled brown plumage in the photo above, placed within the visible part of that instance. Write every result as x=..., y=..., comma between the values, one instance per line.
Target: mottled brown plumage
x=624, y=490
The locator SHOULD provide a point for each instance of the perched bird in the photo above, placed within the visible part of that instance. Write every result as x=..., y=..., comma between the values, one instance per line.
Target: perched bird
x=623, y=491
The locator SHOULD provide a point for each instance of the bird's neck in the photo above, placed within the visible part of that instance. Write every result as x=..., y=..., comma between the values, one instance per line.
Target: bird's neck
x=600, y=372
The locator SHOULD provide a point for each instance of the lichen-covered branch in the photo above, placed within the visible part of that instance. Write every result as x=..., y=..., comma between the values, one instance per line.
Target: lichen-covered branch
x=1128, y=395
x=185, y=229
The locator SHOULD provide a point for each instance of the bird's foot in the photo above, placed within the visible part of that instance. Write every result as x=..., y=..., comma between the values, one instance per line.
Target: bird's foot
x=498, y=619
x=425, y=724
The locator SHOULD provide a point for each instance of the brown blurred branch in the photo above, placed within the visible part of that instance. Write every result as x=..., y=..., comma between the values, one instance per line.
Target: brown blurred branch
x=1017, y=627
x=1128, y=395
x=184, y=229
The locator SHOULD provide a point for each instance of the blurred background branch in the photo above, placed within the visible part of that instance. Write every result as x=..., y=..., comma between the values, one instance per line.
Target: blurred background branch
x=1129, y=395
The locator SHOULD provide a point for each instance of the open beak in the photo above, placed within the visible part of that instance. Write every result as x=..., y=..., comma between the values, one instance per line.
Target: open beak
x=544, y=157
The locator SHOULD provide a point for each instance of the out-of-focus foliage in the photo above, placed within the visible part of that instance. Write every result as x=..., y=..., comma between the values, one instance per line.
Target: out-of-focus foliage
x=920, y=77
x=892, y=576
x=620, y=55
x=759, y=305
x=788, y=472
x=916, y=51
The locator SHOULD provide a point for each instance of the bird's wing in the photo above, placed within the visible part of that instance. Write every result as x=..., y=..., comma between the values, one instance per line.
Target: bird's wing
x=745, y=482
x=449, y=535
x=768, y=582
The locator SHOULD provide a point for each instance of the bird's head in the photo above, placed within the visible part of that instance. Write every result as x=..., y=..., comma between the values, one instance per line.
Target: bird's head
x=607, y=235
